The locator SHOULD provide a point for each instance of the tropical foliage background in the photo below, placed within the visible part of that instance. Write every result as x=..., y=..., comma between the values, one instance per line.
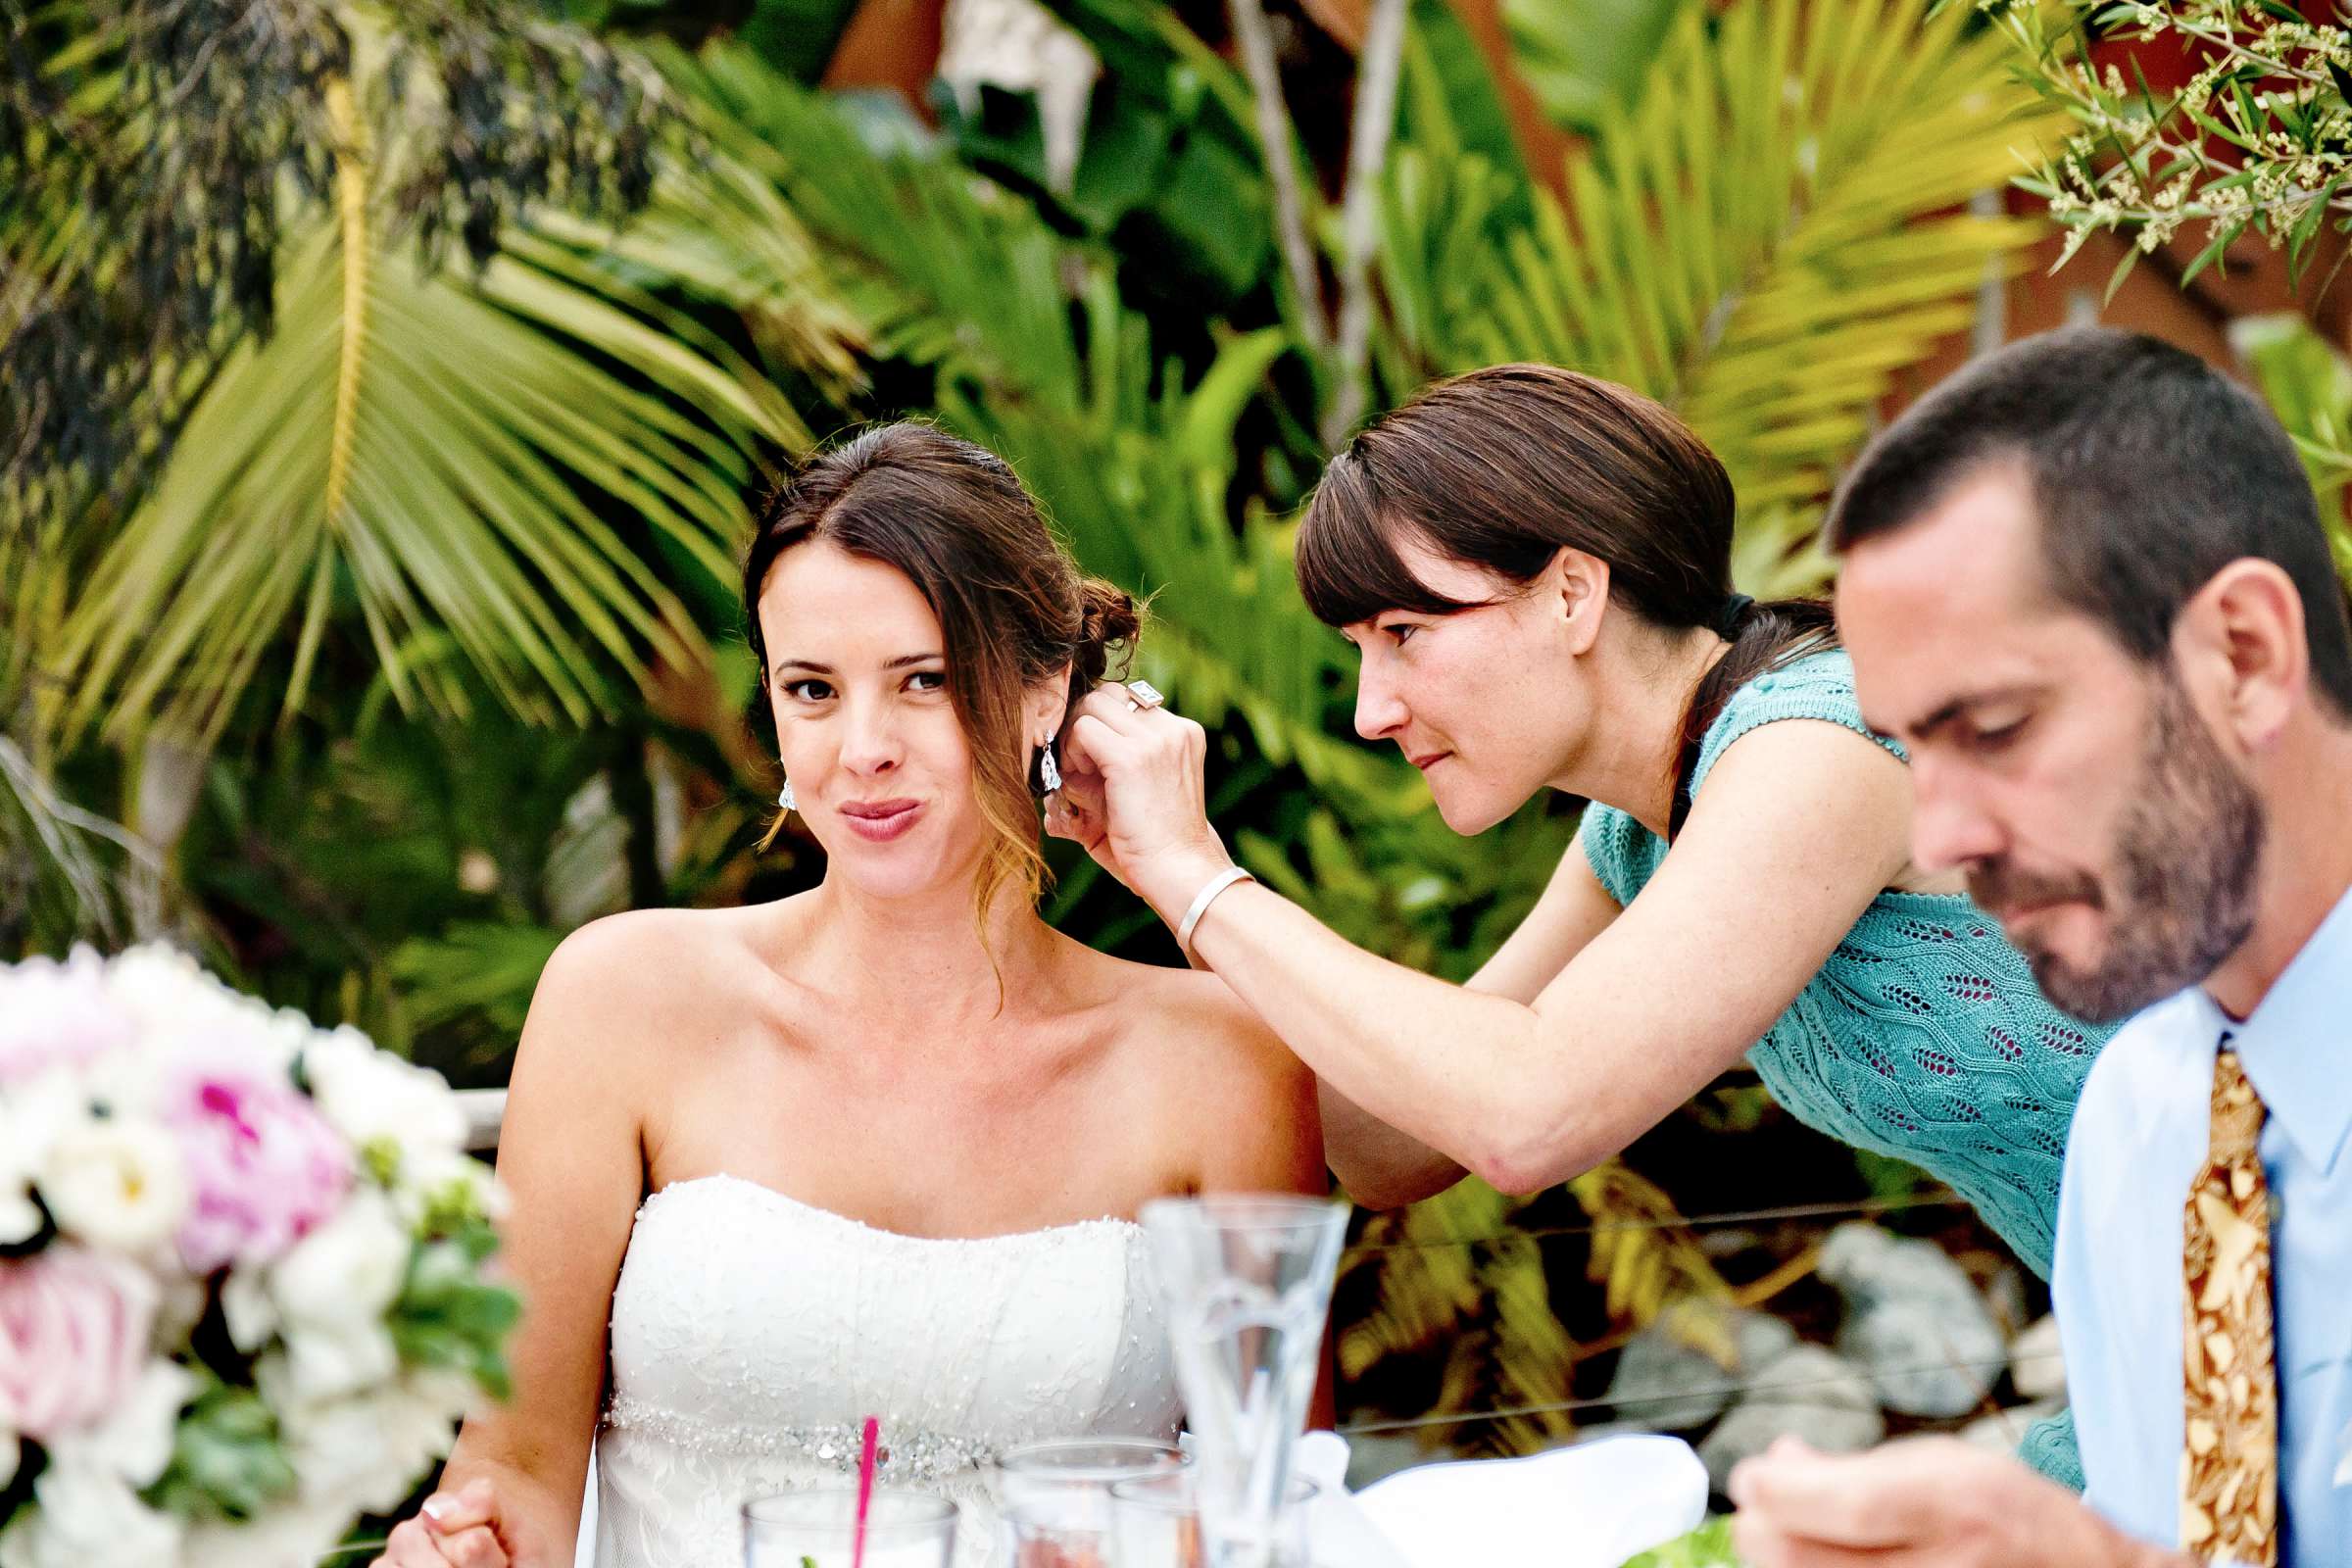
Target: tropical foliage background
x=384, y=391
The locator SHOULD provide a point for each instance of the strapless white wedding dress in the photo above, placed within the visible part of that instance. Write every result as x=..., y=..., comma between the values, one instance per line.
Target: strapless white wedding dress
x=753, y=1334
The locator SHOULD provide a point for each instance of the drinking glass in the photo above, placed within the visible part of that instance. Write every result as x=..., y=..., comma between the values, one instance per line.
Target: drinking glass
x=817, y=1529
x=1246, y=1280
x=1157, y=1522
x=1056, y=1495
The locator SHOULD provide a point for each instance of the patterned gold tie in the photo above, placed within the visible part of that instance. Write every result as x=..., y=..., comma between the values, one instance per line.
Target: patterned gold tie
x=2229, y=1461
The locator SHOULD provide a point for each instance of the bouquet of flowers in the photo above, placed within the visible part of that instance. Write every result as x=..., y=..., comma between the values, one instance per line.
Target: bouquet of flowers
x=242, y=1291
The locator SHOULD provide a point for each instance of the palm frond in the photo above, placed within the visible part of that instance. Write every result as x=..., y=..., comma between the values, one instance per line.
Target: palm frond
x=1451, y=1275
x=427, y=451
x=1763, y=239
x=1584, y=58
x=1535, y=1356
x=1643, y=1253
x=1424, y=1264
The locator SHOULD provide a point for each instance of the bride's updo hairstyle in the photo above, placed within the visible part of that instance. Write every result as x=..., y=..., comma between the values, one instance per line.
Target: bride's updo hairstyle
x=1012, y=604
x=1502, y=468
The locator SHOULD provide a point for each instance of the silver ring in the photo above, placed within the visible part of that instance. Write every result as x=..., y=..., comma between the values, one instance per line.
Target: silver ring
x=1142, y=693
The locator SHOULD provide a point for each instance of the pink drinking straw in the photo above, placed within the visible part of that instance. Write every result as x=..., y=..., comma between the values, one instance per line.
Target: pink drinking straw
x=865, y=1488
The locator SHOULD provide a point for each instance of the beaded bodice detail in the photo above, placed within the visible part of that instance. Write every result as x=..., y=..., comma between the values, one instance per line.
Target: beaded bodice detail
x=752, y=1335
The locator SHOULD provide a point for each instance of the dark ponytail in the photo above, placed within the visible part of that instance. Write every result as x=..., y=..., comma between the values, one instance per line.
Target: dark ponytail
x=1763, y=637
x=1503, y=468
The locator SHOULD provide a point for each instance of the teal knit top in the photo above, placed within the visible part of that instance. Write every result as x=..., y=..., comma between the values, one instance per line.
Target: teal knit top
x=1924, y=1036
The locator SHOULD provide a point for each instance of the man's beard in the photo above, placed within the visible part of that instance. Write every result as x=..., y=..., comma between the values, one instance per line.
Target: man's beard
x=2186, y=852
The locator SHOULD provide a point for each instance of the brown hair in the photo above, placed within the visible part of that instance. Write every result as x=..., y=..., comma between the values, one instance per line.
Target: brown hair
x=2150, y=472
x=1012, y=606
x=1505, y=467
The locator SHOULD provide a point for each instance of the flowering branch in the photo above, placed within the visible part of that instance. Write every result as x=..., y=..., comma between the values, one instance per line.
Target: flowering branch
x=2258, y=138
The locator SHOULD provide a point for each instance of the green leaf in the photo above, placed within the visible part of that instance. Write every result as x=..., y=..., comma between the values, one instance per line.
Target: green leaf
x=1588, y=59
x=2308, y=383
x=1215, y=404
x=2298, y=242
x=1762, y=238
x=1707, y=1546
x=1451, y=101
x=486, y=420
x=2123, y=269
x=796, y=36
x=1033, y=355
x=2214, y=249
x=226, y=1460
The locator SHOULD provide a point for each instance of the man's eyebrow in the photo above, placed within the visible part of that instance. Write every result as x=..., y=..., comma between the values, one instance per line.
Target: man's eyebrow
x=1950, y=710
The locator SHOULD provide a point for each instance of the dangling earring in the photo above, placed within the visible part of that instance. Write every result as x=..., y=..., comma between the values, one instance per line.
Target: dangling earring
x=1049, y=775
x=785, y=799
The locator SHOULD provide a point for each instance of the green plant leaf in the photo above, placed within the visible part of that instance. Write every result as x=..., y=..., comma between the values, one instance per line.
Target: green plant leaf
x=1762, y=238
x=490, y=419
x=1587, y=59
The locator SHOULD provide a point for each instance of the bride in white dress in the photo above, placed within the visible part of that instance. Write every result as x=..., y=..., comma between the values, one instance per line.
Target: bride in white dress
x=895, y=1129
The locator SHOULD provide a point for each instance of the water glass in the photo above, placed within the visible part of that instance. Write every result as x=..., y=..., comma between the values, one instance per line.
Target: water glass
x=1158, y=1523
x=1055, y=1497
x=818, y=1529
x=1246, y=1280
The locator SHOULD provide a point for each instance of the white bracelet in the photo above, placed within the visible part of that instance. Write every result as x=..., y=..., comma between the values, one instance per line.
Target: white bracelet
x=1202, y=900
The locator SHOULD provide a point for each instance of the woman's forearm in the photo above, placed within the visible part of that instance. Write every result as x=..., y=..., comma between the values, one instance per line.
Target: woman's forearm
x=1379, y=1166
x=1467, y=1073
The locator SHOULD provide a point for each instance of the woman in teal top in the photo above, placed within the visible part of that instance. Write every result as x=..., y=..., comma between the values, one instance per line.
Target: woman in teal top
x=1923, y=1034
x=1535, y=569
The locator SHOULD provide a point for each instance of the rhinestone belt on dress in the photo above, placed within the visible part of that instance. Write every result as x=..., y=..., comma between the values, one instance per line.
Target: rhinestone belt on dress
x=908, y=1456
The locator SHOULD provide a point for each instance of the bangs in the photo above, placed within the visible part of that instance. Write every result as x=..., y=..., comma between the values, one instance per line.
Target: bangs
x=1348, y=563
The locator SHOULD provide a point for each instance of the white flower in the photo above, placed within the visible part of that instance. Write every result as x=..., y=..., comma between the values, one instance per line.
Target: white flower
x=32, y=1116
x=369, y=1096
x=10, y=1452
x=328, y=1363
x=117, y=1184
x=371, y=1449
x=133, y=1443
x=86, y=1518
x=18, y=1218
x=296, y=1535
x=346, y=1272
x=245, y=1302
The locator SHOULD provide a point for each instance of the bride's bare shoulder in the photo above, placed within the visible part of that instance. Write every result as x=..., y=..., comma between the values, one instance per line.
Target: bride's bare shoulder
x=1190, y=1021
x=647, y=974
x=1241, y=1104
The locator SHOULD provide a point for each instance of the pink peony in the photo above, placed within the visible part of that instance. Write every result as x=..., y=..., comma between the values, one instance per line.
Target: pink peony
x=74, y=1337
x=57, y=1015
x=264, y=1167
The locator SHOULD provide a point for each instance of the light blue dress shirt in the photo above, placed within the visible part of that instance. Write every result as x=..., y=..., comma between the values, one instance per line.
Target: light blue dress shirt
x=2140, y=1133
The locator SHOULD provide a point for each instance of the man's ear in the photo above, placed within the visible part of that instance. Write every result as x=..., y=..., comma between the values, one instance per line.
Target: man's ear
x=2240, y=645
